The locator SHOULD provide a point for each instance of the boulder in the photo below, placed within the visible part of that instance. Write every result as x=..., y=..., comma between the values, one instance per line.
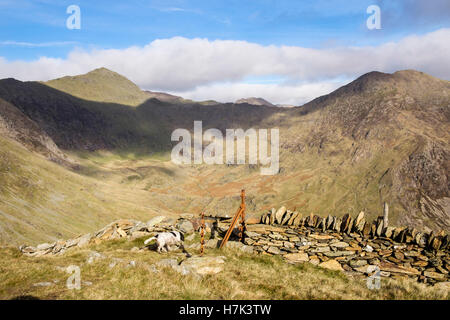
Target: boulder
x=155, y=220
x=139, y=234
x=185, y=226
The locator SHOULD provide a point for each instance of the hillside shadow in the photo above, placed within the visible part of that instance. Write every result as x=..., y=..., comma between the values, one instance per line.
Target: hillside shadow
x=77, y=124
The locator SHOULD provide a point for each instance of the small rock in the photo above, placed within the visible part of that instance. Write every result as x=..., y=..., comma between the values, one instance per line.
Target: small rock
x=339, y=244
x=434, y=275
x=314, y=260
x=45, y=246
x=213, y=243
x=167, y=263
x=247, y=249
x=390, y=267
x=297, y=257
x=331, y=265
x=84, y=240
x=43, y=284
x=366, y=269
x=321, y=237
x=320, y=249
x=251, y=234
x=357, y=263
x=94, y=256
x=273, y=250
x=202, y=265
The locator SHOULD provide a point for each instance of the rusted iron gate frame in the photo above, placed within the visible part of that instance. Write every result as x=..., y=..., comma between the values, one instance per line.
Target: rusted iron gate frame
x=239, y=213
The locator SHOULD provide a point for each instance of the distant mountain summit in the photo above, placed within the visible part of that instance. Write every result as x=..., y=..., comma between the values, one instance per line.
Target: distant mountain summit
x=101, y=85
x=255, y=101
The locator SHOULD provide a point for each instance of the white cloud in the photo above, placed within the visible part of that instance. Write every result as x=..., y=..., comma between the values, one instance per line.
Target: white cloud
x=275, y=93
x=197, y=65
x=38, y=44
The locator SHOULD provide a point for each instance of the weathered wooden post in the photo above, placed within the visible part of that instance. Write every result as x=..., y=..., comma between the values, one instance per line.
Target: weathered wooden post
x=242, y=226
x=202, y=234
x=385, y=215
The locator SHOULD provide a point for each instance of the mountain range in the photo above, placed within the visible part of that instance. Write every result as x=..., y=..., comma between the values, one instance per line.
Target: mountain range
x=79, y=151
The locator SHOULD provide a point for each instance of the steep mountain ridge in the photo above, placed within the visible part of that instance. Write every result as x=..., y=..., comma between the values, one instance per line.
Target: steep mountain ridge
x=406, y=110
x=382, y=137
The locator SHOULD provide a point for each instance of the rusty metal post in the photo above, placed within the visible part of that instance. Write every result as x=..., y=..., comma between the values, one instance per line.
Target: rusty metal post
x=202, y=234
x=235, y=219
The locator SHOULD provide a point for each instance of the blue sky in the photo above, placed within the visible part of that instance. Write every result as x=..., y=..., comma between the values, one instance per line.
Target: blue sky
x=32, y=30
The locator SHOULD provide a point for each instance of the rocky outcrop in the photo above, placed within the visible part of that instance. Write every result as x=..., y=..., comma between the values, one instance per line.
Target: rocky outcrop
x=125, y=228
x=17, y=126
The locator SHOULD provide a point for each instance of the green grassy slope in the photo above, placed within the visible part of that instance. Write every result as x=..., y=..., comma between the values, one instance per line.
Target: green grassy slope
x=101, y=85
x=42, y=201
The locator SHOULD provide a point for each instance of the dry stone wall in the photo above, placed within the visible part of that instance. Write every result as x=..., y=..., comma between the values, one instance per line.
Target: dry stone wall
x=349, y=244
x=352, y=244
